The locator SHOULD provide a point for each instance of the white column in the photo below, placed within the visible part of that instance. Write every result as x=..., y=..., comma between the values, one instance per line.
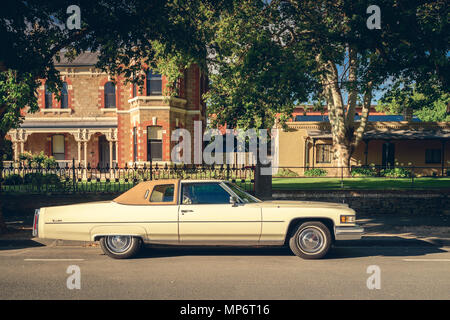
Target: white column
x=16, y=150
x=110, y=153
x=85, y=154
x=79, y=151
x=117, y=152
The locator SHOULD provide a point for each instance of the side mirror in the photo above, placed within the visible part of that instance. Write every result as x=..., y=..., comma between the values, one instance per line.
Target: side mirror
x=233, y=201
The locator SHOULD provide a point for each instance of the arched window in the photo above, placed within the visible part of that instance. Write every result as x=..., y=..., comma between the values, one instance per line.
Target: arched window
x=48, y=98
x=110, y=95
x=154, y=84
x=64, y=96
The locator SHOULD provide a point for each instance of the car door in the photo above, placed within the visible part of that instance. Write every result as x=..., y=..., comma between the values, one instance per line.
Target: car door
x=206, y=216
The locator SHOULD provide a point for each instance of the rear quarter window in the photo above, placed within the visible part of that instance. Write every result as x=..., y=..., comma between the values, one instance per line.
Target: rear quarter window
x=163, y=193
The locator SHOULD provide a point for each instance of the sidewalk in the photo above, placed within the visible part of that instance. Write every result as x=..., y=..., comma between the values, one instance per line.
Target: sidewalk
x=392, y=230
x=380, y=230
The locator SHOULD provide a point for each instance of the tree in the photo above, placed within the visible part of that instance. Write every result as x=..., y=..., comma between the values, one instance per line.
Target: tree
x=254, y=81
x=347, y=60
x=425, y=100
x=127, y=34
x=354, y=60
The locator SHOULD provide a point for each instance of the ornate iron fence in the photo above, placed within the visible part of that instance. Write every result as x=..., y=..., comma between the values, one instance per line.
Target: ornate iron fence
x=71, y=179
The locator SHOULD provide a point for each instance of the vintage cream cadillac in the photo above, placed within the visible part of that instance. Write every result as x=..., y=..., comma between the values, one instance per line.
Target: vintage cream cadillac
x=192, y=212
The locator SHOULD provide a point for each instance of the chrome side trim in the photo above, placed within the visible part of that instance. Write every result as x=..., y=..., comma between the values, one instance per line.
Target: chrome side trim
x=348, y=233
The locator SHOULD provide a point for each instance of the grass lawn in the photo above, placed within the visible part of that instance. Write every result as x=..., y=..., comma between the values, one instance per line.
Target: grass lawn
x=359, y=183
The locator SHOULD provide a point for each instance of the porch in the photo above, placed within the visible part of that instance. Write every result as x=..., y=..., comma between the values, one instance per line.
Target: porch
x=91, y=143
x=428, y=151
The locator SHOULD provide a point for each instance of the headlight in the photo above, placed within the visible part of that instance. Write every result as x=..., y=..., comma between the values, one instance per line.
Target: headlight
x=348, y=219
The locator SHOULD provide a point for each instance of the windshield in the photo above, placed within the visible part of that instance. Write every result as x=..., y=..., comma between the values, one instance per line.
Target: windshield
x=244, y=196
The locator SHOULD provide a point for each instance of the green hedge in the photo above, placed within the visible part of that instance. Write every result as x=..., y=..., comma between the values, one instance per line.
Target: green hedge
x=316, y=172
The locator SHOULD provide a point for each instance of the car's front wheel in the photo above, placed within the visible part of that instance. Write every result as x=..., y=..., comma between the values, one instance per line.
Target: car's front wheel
x=311, y=240
x=120, y=247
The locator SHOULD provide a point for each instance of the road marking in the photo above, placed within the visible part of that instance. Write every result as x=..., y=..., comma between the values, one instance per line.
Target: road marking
x=53, y=259
x=430, y=260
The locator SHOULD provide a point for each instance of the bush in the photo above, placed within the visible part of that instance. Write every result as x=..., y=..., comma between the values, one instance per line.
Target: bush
x=363, y=172
x=286, y=173
x=396, y=173
x=38, y=179
x=39, y=160
x=316, y=172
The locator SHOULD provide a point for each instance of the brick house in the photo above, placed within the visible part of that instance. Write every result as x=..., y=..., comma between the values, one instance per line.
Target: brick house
x=101, y=122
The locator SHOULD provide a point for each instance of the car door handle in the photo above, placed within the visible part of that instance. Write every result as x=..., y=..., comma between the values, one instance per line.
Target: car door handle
x=184, y=211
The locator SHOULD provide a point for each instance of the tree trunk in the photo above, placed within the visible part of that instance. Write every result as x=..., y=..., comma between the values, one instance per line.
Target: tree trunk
x=342, y=154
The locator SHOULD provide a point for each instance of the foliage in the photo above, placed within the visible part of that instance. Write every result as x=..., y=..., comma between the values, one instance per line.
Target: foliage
x=438, y=111
x=427, y=102
x=34, y=178
x=40, y=179
x=316, y=172
x=253, y=79
x=396, y=172
x=283, y=172
x=7, y=150
x=39, y=160
x=363, y=172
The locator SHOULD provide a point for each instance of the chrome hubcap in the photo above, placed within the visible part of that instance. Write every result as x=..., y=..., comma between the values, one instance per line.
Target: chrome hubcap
x=310, y=240
x=118, y=244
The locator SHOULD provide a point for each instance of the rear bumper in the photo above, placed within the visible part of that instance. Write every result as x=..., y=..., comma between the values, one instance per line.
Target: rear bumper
x=348, y=233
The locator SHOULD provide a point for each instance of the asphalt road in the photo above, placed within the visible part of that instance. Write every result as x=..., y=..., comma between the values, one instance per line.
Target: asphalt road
x=252, y=273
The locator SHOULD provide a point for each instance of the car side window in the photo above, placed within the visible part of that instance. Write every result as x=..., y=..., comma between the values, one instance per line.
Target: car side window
x=204, y=193
x=163, y=193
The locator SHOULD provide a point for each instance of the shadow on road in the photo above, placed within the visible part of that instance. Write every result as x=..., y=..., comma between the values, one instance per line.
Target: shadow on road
x=18, y=244
x=389, y=248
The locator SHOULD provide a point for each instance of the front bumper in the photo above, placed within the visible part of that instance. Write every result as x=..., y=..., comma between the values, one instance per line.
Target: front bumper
x=348, y=233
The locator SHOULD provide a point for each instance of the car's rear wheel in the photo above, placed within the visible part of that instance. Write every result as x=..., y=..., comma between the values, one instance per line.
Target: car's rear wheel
x=311, y=240
x=120, y=246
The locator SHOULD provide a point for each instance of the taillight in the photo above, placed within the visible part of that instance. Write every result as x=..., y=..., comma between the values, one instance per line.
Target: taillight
x=36, y=222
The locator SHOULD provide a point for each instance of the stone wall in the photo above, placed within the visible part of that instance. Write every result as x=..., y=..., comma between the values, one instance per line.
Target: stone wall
x=21, y=207
x=407, y=202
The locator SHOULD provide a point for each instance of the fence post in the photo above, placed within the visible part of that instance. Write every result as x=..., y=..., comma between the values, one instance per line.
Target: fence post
x=73, y=175
x=342, y=177
x=151, y=169
x=412, y=177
